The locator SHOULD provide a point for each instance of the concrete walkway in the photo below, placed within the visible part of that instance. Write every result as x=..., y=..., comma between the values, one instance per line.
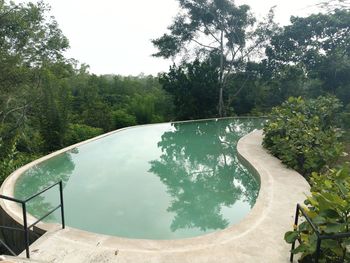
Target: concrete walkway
x=256, y=239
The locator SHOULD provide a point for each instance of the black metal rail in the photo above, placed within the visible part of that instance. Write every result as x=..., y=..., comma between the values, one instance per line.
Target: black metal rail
x=319, y=235
x=25, y=229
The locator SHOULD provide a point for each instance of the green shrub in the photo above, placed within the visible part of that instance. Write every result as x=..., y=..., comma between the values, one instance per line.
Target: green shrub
x=329, y=208
x=80, y=132
x=7, y=154
x=11, y=159
x=346, y=117
x=302, y=133
x=123, y=119
x=143, y=108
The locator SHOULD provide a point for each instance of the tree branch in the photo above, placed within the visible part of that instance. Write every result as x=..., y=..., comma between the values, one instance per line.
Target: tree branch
x=206, y=46
x=217, y=40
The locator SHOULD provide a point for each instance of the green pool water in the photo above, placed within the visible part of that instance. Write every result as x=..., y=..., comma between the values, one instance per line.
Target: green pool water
x=163, y=181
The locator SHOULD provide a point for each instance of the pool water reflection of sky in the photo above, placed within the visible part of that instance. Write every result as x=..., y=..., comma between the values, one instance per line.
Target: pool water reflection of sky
x=163, y=181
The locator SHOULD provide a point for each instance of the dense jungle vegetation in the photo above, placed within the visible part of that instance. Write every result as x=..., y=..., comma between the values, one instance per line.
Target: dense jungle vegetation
x=230, y=64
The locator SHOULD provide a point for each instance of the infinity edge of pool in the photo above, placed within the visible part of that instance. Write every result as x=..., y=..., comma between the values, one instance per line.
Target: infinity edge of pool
x=15, y=212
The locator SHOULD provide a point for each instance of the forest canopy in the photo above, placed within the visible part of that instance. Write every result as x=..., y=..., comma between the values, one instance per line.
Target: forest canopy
x=231, y=64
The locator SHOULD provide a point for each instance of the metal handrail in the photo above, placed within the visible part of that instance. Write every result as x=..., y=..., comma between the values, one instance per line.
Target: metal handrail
x=26, y=228
x=320, y=237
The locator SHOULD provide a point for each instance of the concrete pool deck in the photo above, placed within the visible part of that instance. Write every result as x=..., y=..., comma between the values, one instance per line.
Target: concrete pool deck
x=258, y=238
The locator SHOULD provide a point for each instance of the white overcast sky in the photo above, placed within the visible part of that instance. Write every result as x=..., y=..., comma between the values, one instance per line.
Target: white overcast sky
x=113, y=36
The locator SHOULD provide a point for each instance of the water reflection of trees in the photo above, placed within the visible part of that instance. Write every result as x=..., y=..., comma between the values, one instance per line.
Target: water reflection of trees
x=44, y=175
x=202, y=173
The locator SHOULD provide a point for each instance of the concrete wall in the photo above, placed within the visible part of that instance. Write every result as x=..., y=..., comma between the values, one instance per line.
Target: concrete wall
x=14, y=238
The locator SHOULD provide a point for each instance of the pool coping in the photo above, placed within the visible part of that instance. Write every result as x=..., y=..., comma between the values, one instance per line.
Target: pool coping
x=257, y=237
x=8, y=186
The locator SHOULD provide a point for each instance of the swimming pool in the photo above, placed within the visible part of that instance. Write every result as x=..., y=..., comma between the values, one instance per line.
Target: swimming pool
x=162, y=181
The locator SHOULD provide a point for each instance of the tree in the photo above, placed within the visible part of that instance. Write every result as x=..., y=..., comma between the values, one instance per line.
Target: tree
x=331, y=5
x=319, y=44
x=216, y=29
x=28, y=42
x=202, y=174
x=194, y=88
x=53, y=108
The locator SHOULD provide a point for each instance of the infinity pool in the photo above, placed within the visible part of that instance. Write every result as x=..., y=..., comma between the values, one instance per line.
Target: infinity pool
x=162, y=181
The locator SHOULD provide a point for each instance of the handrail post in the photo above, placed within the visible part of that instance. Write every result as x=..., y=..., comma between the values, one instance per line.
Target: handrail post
x=296, y=220
x=318, y=249
x=25, y=227
x=62, y=207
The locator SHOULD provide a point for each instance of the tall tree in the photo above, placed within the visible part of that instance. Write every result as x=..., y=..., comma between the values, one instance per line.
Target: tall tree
x=320, y=45
x=331, y=5
x=194, y=88
x=216, y=29
x=28, y=41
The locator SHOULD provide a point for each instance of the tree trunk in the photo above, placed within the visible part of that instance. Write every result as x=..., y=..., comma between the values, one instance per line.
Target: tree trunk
x=221, y=99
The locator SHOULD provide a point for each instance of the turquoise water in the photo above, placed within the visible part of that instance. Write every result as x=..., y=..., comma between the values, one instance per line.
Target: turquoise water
x=163, y=181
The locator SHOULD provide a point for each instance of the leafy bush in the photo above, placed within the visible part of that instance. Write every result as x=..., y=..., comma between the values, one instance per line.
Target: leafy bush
x=7, y=154
x=143, y=108
x=346, y=117
x=99, y=115
x=80, y=132
x=302, y=133
x=329, y=208
x=123, y=119
x=11, y=159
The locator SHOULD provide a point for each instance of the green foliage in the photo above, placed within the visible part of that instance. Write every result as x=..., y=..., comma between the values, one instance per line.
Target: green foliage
x=318, y=44
x=329, y=209
x=220, y=31
x=346, y=117
x=302, y=133
x=98, y=115
x=208, y=18
x=80, y=132
x=143, y=108
x=194, y=87
x=112, y=102
x=123, y=119
x=8, y=152
x=46, y=102
x=30, y=141
x=53, y=109
x=29, y=41
x=11, y=159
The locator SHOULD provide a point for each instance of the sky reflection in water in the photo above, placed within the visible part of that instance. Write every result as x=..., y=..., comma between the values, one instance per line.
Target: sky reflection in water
x=164, y=181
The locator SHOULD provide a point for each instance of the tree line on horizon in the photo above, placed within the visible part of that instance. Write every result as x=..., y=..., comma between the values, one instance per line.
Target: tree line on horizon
x=228, y=64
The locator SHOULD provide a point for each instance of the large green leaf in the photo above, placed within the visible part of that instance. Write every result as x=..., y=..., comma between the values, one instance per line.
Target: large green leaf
x=291, y=236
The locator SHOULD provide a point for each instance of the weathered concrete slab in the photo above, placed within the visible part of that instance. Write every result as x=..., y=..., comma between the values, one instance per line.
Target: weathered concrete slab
x=256, y=239
x=11, y=259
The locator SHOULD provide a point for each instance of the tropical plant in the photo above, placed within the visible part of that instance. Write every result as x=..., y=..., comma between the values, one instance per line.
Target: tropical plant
x=80, y=132
x=302, y=133
x=328, y=207
x=7, y=155
x=194, y=87
x=219, y=30
x=123, y=119
x=319, y=45
x=346, y=117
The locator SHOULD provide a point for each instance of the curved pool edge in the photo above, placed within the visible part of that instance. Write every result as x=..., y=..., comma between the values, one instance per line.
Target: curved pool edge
x=257, y=238
x=14, y=211
x=8, y=186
